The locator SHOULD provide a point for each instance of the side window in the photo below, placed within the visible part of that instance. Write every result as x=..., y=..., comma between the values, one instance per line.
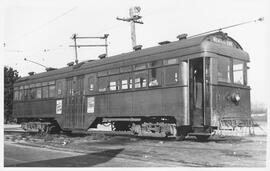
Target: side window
x=21, y=93
x=155, y=77
x=38, y=93
x=91, y=83
x=114, y=83
x=224, y=68
x=154, y=64
x=102, y=84
x=45, y=92
x=16, y=94
x=114, y=71
x=59, y=88
x=171, y=74
x=126, y=69
x=26, y=92
x=139, y=66
x=32, y=91
x=126, y=81
x=171, y=61
x=238, y=71
x=124, y=84
x=140, y=79
x=51, y=90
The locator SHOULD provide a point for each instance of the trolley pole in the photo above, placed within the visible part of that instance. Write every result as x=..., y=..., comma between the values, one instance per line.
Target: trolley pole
x=75, y=37
x=134, y=18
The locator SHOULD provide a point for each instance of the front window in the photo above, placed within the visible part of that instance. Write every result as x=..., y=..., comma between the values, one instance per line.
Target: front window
x=238, y=72
x=224, y=66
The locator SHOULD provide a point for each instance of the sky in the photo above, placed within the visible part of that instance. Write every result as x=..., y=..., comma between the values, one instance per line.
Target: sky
x=41, y=30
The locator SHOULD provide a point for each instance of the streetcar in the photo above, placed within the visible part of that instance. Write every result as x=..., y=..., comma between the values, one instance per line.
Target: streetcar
x=175, y=89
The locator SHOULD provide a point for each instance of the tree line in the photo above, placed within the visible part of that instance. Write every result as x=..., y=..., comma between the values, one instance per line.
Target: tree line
x=10, y=76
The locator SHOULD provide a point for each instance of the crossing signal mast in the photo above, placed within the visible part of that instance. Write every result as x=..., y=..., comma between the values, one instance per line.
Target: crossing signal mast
x=134, y=18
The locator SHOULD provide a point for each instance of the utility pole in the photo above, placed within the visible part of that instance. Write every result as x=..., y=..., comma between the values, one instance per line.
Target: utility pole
x=75, y=37
x=134, y=17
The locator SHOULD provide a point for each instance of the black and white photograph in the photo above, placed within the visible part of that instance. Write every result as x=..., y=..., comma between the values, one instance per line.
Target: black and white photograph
x=135, y=84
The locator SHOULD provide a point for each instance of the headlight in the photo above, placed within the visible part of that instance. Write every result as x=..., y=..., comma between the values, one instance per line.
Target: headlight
x=235, y=98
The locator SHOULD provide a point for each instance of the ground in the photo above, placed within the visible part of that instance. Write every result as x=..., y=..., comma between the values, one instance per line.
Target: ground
x=99, y=149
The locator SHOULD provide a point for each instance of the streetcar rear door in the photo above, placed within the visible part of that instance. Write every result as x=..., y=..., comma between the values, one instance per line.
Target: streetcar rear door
x=199, y=92
x=196, y=92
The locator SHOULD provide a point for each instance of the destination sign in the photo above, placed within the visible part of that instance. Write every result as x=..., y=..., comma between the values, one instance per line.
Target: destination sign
x=223, y=41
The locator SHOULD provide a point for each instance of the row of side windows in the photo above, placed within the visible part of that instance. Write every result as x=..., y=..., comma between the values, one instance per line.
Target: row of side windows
x=156, y=75
x=35, y=91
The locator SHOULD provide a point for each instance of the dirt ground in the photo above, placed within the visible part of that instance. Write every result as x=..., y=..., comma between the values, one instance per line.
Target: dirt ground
x=225, y=151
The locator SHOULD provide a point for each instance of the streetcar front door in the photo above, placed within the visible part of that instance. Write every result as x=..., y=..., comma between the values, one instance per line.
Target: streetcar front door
x=74, y=102
x=196, y=92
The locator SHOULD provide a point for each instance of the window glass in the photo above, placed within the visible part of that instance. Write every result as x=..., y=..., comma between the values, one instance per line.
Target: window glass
x=45, y=92
x=52, y=91
x=139, y=66
x=38, y=93
x=38, y=84
x=91, y=83
x=16, y=95
x=114, y=71
x=27, y=94
x=224, y=65
x=130, y=83
x=102, y=73
x=140, y=79
x=171, y=74
x=155, y=77
x=114, y=85
x=171, y=61
x=154, y=64
x=126, y=69
x=59, y=88
x=32, y=93
x=238, y=72
x=102, y=84
x=51, y=82
x=124, y=84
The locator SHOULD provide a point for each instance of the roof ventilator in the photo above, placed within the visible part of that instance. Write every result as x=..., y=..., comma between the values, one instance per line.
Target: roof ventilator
x=164, y=42
x=50, y=69
x=102, y=56
x=31, y=73
x=138, y=47
x=70, y=64
x=182, y=36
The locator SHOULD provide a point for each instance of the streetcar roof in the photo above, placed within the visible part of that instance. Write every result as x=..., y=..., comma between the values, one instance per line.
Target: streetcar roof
x=180, y=44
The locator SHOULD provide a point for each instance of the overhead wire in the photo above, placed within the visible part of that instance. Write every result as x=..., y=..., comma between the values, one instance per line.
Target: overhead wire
x=45, y=24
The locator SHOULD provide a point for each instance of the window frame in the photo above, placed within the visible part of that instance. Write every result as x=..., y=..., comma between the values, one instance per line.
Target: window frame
x=230, y=80
x=243, y=70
